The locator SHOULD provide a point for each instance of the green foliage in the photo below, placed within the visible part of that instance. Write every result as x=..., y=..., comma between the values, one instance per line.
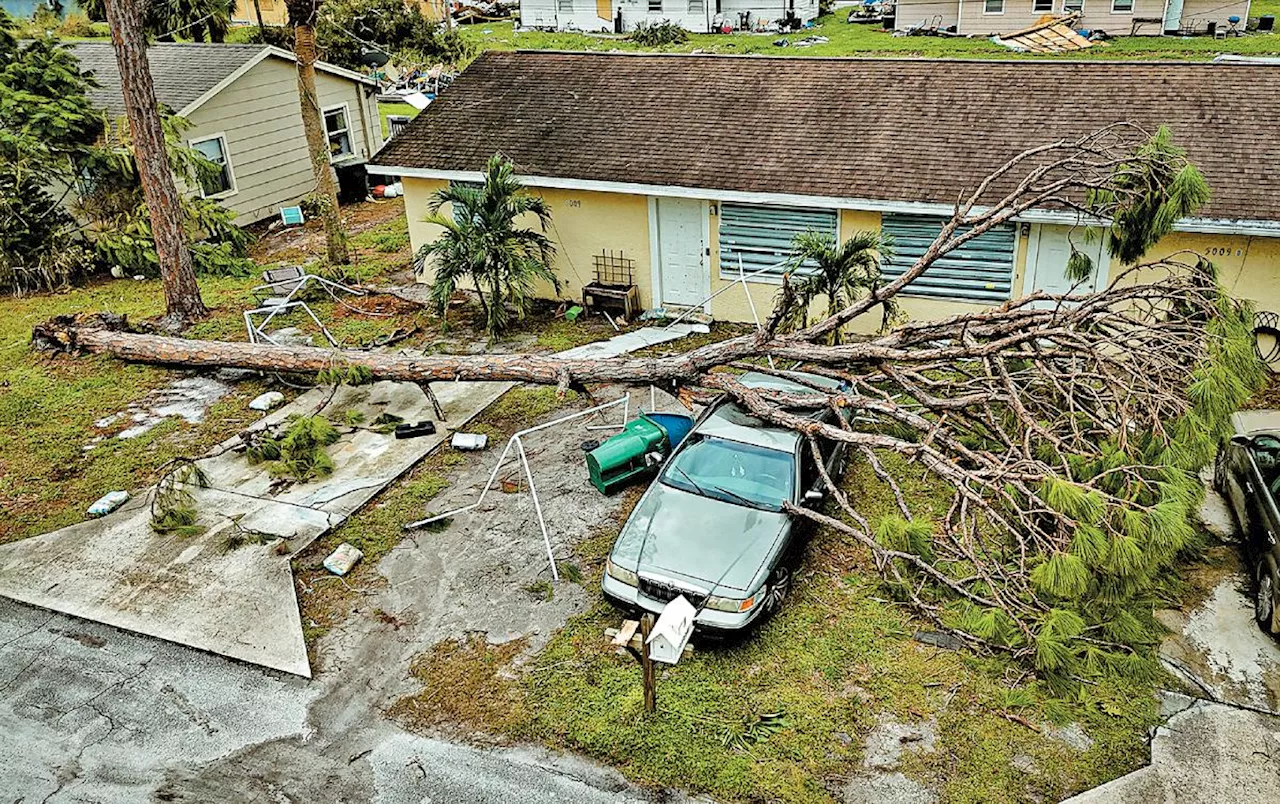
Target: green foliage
x=299, y=454
x=173, y=510
x=346, y=30
x=344, y=374
x=841, y=273
x=1061, y=575
x=906, y=536
x=1148, y=195
x=481, y=243
x=195, y=20
x=111, y=200
x=46, y=125
x=656, y=34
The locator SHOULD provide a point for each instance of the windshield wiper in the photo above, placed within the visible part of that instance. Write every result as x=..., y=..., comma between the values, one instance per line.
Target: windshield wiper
x=739, y=497
x=685, y=475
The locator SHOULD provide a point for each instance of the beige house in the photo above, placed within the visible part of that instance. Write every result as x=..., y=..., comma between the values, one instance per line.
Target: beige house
x=245, y=114
x=274, y=12
x=691, y=190
x=1116, y=17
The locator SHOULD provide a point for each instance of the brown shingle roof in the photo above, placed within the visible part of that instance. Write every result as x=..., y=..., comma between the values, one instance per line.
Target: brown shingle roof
x=886, y=129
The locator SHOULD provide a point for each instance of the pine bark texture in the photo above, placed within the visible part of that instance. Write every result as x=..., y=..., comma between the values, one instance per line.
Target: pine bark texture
x=181, y=292
x=326, y=195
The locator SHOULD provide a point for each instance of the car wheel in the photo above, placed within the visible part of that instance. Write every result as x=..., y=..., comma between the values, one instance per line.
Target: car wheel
x=1264, y=596
x=1219, y=475
x=777, y=589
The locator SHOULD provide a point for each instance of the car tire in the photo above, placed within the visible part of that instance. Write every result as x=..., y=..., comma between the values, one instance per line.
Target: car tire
x=776, y=590
x=1219, y=475
x=1264, y=597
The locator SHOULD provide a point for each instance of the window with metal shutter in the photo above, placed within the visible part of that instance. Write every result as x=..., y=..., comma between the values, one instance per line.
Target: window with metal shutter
x=761, y=236
x=980, y=270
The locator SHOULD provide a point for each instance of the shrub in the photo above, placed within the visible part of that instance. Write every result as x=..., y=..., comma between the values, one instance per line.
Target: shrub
x=656, y=34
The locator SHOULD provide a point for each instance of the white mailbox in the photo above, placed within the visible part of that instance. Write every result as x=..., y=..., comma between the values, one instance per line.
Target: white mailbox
x=672, y=631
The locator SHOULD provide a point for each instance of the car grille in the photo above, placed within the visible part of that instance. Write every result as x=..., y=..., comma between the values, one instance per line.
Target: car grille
x=664, y=591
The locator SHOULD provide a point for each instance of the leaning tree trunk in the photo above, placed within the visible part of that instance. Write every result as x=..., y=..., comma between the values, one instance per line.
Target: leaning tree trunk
x=181, y=292
x=257, y=10
x=304, y=46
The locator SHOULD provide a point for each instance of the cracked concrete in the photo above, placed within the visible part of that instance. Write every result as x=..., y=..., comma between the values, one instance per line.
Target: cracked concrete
x=91, y=713
x=188, y=589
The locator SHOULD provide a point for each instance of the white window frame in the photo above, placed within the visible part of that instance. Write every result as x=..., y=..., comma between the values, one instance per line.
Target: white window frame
x=1115, y=10
x=351, y=140
x=650, y=8
x=226, y=155
x=992, y=13
x=1035, y=10
x=1066, y=9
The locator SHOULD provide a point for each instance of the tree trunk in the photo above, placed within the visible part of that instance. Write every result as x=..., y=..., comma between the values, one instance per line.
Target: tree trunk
x=181, y=292
x=326, y=195
x=257, y=10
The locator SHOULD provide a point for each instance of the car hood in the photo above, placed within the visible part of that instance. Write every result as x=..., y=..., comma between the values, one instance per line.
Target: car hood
x=707, y=541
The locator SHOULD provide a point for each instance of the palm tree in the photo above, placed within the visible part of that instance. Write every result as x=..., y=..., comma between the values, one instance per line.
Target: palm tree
x=482, y=242
x=842, y=273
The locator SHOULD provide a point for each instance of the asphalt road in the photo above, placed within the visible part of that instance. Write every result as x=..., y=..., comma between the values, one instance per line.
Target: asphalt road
x=89, y=713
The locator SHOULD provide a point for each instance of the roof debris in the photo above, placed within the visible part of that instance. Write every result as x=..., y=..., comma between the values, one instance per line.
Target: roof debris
x=1050, y=35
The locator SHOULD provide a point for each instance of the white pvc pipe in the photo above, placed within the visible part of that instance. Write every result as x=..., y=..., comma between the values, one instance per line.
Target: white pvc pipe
x=752, y=304
x=537, y=508
x=506, y=449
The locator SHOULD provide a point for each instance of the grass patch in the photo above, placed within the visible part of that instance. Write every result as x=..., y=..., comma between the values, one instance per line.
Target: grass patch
x=49, y=406
x=465, y=681
x=867, y=40
x=783, y=715
x=385, y=109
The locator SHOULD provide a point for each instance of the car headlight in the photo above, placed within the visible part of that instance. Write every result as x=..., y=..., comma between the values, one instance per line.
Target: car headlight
x=730, y=604
x=620, y=573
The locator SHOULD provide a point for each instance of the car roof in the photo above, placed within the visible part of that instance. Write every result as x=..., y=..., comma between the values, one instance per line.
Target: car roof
x=1256, y=422
x=728, y=420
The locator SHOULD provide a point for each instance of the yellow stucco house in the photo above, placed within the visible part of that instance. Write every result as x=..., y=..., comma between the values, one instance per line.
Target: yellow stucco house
x=690, y=171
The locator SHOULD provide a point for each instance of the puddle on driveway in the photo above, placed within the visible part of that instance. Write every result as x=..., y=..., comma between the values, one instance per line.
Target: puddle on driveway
x=188, y=399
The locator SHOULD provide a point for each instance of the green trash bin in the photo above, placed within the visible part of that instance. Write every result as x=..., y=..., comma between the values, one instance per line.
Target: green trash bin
x=621, y=457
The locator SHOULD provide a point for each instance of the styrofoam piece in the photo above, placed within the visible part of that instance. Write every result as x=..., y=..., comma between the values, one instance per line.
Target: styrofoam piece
x=266, y=401
x=341, y=561
x=469, y=441
x=108, y=503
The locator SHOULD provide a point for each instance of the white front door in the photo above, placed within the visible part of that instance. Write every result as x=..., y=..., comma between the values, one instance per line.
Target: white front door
x=1048, y=252
x=682, y=272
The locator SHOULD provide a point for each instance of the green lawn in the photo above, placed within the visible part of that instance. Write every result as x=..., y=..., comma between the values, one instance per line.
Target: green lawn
x=385, y=109
x=784, y=715
x=865, y=40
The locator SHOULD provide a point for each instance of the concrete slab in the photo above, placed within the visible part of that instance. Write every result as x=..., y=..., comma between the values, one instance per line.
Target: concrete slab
x=241, y=603
x=1218, y=648
x=629, y=342
x=190, y=590
x=1207, y=752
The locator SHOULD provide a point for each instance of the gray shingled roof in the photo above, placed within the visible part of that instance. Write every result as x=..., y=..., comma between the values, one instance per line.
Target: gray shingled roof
x=181, y=71
x=885, y=129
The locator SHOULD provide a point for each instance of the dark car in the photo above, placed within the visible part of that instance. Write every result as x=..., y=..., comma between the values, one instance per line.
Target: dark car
x=713, y=526
x=1247, y=474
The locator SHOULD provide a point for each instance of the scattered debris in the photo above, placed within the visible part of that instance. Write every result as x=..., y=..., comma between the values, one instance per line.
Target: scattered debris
x=469, y=441
x=108, y=503
x=938, y=639
x=415, y=430
x=341, y=560
x=266, y=401
x=1051, y=35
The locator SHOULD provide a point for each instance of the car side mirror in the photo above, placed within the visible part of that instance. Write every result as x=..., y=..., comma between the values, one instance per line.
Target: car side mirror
x=1241, y=440
x=813, y=495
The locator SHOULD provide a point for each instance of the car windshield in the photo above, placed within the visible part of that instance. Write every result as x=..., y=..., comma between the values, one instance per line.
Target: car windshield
x=734, y=472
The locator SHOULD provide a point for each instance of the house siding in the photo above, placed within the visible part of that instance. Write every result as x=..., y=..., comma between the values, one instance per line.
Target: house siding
x=274, y=12
x=588, y=222
x=693, y=15
x=260, y=116
x=1201, y=12
x=969, y=17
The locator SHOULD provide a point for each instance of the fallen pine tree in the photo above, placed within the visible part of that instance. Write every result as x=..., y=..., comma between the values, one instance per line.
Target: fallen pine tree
x=1068, y=428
